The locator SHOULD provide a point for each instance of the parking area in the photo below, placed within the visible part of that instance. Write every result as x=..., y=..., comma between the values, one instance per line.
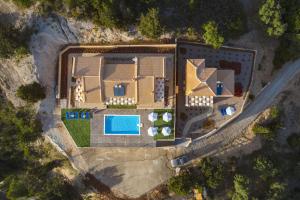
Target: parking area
x=240, y=60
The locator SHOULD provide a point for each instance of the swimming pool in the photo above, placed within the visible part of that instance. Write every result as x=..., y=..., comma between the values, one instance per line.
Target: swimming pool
x=122, y=124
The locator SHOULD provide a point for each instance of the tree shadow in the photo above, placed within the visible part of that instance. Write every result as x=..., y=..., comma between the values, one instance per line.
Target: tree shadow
x=108, y=175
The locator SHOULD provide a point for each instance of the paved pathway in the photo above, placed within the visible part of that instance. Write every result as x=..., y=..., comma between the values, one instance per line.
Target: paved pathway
x=227, y=134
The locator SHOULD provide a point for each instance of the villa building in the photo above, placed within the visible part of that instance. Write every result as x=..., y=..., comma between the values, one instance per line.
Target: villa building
x=120, y=87
x=204, y=83
x=103, y=80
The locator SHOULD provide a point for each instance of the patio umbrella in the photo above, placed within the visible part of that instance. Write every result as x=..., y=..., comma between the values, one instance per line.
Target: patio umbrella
x=166, y=131
x=230, y=110
x=167, y=117
x=152, y=131
x=152, y=117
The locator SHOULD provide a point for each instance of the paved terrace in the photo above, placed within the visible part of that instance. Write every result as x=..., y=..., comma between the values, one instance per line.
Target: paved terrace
x=98, y=139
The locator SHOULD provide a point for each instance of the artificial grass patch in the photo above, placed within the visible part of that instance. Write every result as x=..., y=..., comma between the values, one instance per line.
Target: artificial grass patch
x=79, y=129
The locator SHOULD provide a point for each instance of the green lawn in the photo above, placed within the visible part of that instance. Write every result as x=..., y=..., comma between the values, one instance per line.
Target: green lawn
x=79, y=129
x=160, y=123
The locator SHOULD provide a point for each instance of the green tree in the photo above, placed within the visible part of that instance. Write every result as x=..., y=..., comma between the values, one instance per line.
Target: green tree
x=265, y=167
x=181, y=184
x=213, y=172
x=276, y=191
x=21, y=125
x=271, y=15
x=24, y=174
x=150, y=24
x=105, y=13
x=241, y=187
x=32, y=92
x=13, y=41
x=211, y=35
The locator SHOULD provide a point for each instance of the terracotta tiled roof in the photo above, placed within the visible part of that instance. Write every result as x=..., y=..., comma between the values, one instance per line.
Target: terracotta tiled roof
x=137, y=72
x=192, y=80
x=202, y=81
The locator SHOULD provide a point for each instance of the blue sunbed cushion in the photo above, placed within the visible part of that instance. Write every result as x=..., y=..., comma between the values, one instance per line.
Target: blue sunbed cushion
x=223, y=111
x=85, y=115
x=72, y=115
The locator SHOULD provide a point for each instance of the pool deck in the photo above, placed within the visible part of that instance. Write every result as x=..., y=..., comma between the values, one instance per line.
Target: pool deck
x=98, y=139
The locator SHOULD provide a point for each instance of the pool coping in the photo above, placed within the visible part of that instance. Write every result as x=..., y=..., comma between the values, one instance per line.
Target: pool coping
x=121, y=134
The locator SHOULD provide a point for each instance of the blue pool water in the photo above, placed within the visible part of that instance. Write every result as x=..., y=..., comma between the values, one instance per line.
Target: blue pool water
x=121, y=125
